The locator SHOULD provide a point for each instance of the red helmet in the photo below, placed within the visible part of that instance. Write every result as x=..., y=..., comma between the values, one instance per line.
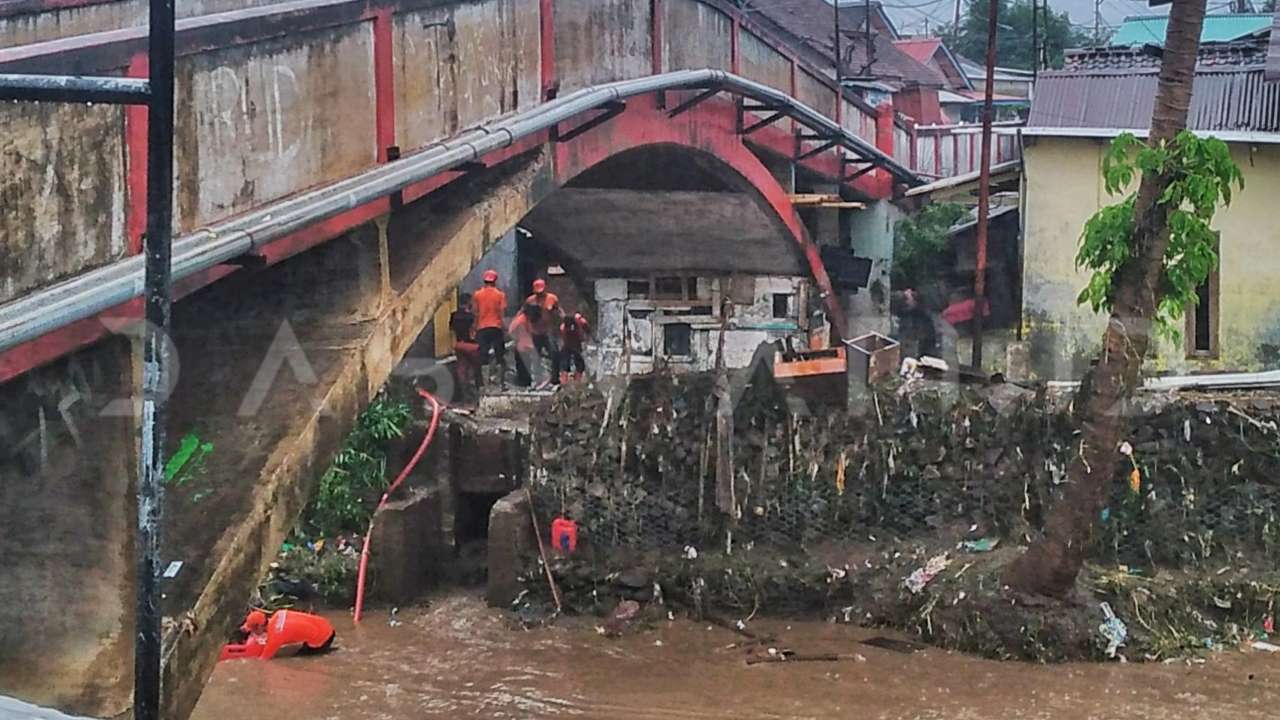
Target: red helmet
x=257, y=620
x=491, y=276
x=539, y=285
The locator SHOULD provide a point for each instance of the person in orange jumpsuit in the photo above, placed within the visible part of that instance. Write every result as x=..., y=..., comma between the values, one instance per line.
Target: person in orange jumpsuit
x=287, y=627
x=546, y=327
x=489, y=305
x=573, y=331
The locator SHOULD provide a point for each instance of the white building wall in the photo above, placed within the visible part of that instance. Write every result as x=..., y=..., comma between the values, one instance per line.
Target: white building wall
x=643, y=322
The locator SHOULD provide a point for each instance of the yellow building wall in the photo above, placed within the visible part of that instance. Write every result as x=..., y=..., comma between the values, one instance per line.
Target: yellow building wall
x=1064, y=188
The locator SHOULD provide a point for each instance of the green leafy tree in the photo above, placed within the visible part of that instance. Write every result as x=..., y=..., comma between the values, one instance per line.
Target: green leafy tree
x=920, y=244
x=1201, y=177
x=1147, y=253
x=344, y=500
x=1014, y=47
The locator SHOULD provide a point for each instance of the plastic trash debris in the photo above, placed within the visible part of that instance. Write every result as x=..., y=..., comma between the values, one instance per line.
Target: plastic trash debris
x=564, y=535
x=690, y=552
x=394, y=621
x=1135, y=481
x=173, y=569
x=980, y=546
x=626, y=610
x=1265, y=646
x=1269, y=624
x=1113, y=630
x=921, y=576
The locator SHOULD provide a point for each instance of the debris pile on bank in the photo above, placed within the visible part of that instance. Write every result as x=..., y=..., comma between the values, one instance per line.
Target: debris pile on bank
x=902, y=514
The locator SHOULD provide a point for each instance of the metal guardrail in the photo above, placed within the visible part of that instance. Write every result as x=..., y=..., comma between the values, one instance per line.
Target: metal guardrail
x=97, y=290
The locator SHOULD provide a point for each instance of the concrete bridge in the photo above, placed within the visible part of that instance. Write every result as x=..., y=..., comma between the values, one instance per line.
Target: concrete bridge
x=341, y=166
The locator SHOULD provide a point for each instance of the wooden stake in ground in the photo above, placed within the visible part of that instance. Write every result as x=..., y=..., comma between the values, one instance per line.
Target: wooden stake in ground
x=726, y=500
x=1051, y=565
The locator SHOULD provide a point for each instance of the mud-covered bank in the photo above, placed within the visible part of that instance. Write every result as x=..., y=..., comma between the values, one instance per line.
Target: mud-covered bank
x=835, y=510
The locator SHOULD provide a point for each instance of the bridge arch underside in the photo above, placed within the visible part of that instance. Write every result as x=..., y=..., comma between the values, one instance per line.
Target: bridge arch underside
x=274, y=364
x=667, y=208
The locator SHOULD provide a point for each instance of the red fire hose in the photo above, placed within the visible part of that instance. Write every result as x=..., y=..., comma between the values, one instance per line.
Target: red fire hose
x=413, y=462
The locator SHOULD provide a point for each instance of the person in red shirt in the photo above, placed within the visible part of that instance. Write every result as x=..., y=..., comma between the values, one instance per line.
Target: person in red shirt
x=266, y=637
x=573, y=331
x=545, y=337
x=489, y=305
x=529, y=365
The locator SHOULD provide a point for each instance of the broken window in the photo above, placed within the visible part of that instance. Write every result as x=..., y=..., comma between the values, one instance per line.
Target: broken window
x=781, y=305
x=677, y=339
x=638, y=289
x=668, y=288
x=640, y=331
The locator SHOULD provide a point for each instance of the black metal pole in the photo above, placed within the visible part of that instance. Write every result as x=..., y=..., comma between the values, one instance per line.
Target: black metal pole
x=155, y=360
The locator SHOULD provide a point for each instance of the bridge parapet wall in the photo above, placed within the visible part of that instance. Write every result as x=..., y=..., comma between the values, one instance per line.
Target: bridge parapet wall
x=277, y=98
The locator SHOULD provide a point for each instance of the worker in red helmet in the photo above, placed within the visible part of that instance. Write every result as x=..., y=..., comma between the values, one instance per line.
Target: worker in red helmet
x=573, y=332
x=489, y=305
x=267, y=636
x=545, y=337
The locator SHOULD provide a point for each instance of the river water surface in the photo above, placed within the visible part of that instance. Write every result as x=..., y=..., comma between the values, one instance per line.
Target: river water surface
x=457, y=658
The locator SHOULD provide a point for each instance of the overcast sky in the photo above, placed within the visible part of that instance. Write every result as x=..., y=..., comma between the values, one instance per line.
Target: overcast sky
x=910, y=15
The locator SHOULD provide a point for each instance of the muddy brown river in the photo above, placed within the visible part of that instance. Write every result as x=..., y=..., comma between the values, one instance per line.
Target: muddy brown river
x=457, y=658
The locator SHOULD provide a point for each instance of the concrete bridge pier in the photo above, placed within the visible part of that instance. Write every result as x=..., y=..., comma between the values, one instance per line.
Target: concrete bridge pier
x=68, y=473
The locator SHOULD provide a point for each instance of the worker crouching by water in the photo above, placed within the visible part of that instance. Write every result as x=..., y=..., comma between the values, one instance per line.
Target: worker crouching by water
x=267, y=636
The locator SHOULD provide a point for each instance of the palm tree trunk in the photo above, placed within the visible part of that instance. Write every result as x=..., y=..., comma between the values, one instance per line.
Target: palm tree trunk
x=1050, y=566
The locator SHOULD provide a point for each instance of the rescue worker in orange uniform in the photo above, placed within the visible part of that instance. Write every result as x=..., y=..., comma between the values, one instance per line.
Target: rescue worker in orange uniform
x=489, y=305
x=287, y=627
x=529, y=366
x=573, y=331
x=545, y=328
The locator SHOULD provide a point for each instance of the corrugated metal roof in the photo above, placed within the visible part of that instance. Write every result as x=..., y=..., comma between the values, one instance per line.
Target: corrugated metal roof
x=1217, y=28
x=1241, y=53
x=1235, y=99
x=1273, y=58
x=811, y=23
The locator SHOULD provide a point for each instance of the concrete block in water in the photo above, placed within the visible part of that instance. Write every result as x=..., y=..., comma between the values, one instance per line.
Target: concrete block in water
x=511, y=541
x=408, y=546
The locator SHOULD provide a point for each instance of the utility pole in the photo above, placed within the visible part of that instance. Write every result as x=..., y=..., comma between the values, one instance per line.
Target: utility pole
x=839, y=58
x=955, y=26
x=871, y=49
x=984, y=186
x=1035, y=39
x=1097, y=23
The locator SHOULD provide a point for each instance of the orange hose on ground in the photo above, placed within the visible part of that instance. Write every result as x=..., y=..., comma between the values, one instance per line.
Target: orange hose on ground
x=413, y=462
